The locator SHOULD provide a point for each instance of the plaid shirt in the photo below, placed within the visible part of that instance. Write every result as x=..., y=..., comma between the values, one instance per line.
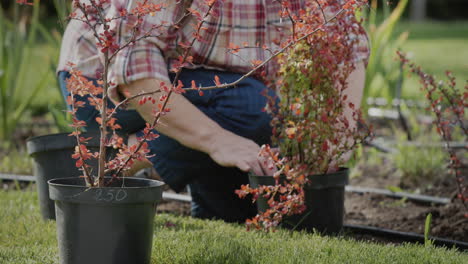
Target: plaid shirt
x=255, y=22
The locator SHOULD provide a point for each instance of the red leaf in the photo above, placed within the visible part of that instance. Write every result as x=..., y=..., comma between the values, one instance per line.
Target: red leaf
x=195, y=13
x=23, y=2
x=79, y=163
x=324, y=117
x=325, y=146
x=255, y=63
x=234, y=48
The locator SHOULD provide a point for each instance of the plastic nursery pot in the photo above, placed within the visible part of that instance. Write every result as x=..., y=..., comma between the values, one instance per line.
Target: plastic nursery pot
x=52, y=159
x=105, y=225
x=324, y=199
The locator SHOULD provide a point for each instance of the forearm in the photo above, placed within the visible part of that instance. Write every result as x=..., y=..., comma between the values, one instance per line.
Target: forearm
x=354, y=91
x=184, y=123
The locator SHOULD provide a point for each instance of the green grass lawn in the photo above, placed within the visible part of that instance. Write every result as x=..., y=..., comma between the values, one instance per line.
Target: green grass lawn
x=436, y=47
x=25, y=238
x=43, y=63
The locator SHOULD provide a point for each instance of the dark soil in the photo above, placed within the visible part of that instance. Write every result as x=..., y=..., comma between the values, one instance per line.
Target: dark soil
x=448, y=221
x=174, y=207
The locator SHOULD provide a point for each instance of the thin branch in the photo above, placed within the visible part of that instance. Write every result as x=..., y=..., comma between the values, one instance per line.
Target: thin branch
x=250, y=47
x=451, y=100
x=78, y=142
x=133, y=40
x=127, y=100
x=293, y=22
x=88, y=22
x=321, y=9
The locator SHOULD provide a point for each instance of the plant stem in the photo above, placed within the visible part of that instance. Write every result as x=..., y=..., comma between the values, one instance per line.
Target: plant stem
x=103, y=126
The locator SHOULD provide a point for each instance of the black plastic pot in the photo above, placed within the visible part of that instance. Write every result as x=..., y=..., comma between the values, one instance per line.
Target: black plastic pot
x=52, y=159
x=324, y=199
x=105, y=225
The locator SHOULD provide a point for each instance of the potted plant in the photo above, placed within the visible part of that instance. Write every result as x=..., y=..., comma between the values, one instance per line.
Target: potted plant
x=315, y=128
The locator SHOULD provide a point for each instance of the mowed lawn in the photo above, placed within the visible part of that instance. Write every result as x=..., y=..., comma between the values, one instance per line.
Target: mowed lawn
x=26, y=239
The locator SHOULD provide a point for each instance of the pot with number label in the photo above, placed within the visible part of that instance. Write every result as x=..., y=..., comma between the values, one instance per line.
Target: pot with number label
x=112, y=224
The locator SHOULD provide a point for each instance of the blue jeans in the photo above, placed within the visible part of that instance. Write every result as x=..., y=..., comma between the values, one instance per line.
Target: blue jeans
x=237, y=109
x=130, y=121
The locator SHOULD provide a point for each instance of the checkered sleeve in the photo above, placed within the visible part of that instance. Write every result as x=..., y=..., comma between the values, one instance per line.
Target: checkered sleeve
x=137, y=62
x=143, y=58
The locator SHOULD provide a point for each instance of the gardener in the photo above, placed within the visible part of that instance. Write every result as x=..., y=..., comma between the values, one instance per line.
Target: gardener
x=207, y=142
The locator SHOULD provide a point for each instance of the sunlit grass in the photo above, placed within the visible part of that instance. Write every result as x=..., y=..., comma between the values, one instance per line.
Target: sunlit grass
x=436, y=47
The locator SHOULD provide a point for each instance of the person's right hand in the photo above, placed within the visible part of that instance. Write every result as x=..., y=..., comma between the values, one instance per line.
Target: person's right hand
x=230, y=150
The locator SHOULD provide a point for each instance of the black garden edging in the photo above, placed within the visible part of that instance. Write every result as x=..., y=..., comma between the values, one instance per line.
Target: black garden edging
x=419, y=198
x=424, y=199
x=17, y=177
x=405, y=236
x=29, y=178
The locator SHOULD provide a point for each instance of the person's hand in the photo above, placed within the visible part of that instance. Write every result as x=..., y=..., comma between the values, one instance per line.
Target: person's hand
x=230, y=150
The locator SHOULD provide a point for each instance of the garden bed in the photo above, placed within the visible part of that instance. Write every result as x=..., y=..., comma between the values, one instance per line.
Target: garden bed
x=25, y=238
x=448, y=220
x=383, y=212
